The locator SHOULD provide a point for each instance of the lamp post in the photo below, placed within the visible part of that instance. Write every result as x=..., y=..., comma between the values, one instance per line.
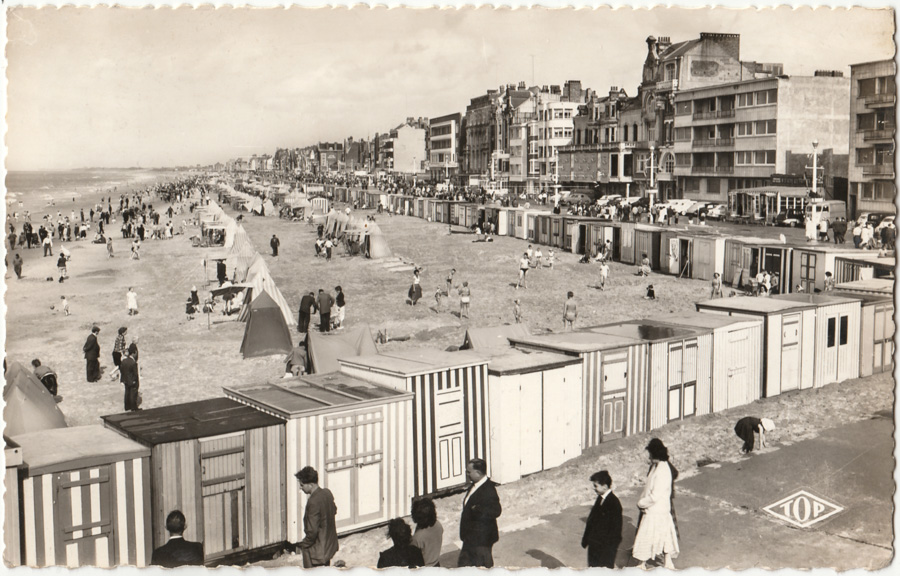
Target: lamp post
x=815, y=145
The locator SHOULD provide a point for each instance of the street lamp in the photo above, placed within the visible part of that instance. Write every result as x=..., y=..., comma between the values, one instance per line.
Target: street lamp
x=815, y=145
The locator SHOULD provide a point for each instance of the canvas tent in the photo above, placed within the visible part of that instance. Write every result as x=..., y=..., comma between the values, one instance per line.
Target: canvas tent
x=493, y=339
x=259, y=280
x=325, y=348
x=376, y=245
x=29, y=406
x=266, y=332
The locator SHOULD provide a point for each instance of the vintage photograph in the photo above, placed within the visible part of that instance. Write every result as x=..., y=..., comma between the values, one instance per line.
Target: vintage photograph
x=654, y=251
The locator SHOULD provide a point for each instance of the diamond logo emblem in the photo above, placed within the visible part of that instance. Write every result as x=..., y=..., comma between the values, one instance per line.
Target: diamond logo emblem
x=803, y=509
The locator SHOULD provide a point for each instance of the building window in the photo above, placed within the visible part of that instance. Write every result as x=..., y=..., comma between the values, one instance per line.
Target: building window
x=712, y=185
x=634, y=132
x=764, y=97
x=683, y=108
x=745, y=100
x=865, y=156
x=625, y=134
x=764, y=157
x=683, y=159
x=867, y=87
x=765, y=127
x=884, y=155
x=683, y=134
x=807, y=272
x=743, y=158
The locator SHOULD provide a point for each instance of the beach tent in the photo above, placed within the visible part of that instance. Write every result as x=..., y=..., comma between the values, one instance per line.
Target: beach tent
x=260, y=280
x=269, y=208
x=493, y=339
x=231, y=228
x=255, y=205
x=326, y=347
x=29, y=406
x=376, y=245
x=266, y=332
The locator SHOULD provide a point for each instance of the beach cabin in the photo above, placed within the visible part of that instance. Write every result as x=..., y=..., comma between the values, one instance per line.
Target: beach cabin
x=810, y=262
x=647, y=241
x=12, y=536
x=863, y=265
x=707, y=255
x=497, y=215
x=222, y=464
x=534, y=401
x=876, y=339
x=449, y=420
x=517, y=223
x=85, y=499
x=613, y=383
x=809, y=338
x=746, y=256
x=542, y=228
x=736, y=378
x=356, y=434
x=679, y=360
x=626, y=244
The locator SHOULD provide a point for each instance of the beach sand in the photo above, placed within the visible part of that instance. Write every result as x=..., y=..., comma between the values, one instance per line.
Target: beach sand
x=187, y=360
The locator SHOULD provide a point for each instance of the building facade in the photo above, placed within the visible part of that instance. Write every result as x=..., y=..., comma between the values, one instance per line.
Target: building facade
x=407, y=148
x=873, y=127
x=443, y=146
x=738, y=135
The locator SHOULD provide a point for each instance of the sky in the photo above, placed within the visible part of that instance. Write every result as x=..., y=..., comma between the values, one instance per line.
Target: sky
x=120, y=87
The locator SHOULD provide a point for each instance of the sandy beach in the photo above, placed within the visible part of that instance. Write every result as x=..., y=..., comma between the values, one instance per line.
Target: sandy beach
x=184, y=360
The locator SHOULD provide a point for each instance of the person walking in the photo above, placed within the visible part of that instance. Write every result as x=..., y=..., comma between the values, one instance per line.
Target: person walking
x=48, y=245
x=17, y=266
x=450, y=281
x=429, y=534
x=603, y=528
x=340, y=302
x=656, y=530
x=748, y=427
x=478, y=521
x=823, y=230
x=324, y=302
x=716, y=286
x=135, y=249
x=177, y=551
x=118, y=351
x=415, y=290
x=274, y=243
x=465, y=297
x=128, y=376
x=570, y=312
x=838, y=230
x=131, y=301
x=604, y=274
x=403, y=553
x=61, y=266
x=320, y=543
x=91, y=350
x=524, y=265
x=307, y=309
x=64, y=305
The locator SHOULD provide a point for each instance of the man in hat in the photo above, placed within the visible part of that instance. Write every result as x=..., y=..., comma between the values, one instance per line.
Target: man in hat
x=92, y=355
x=747, y=428
x=274, y=243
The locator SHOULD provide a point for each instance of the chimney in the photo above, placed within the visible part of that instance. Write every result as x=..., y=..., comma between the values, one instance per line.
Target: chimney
x=521, y=85
x=829, y=73
x=663, y=43
x=613, y=92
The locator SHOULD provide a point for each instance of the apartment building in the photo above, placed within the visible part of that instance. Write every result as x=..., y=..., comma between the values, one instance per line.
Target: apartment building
x=443, y=146
x=330, y=156
x=739, y=135
x=407, y=146
x=873, y=127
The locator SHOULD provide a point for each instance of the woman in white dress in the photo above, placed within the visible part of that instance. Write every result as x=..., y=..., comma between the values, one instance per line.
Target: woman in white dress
x=656, y=533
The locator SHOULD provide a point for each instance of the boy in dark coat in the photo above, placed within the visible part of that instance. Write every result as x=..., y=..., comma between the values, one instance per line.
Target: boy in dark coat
x=603, y=529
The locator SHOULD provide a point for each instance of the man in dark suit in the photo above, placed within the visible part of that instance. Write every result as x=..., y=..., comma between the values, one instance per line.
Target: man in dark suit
x=478, y=523
x=177, y=551
x=320, y=541
x=128, y=375
x=307, y=309
x=603, y=530
x=92, y=355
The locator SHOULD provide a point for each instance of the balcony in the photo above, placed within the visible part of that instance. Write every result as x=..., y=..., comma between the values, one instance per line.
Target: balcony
x=724, y=169
x=878, y=170
x=703, y=169
x=712, y=142
x=883, y=134
x=667, y=86
x=714, y=114
x=880, y=99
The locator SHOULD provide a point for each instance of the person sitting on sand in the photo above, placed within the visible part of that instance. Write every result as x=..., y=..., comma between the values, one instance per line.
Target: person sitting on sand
x=651, y=294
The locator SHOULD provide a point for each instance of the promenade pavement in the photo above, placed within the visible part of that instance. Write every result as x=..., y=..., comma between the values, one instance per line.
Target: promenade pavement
x=720, y=513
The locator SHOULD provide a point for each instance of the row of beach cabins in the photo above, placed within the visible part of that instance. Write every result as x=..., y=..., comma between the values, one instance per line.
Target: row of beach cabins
x=388, y=427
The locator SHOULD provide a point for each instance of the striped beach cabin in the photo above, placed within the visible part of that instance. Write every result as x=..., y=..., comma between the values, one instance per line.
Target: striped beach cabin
x=222, y=464
x=450, y=416
x=356, y=435
x=85, y=499
x=614, y=379
x=12, y=536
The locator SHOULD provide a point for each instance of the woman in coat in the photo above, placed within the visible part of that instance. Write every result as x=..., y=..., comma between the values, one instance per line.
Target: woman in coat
x=656, y=533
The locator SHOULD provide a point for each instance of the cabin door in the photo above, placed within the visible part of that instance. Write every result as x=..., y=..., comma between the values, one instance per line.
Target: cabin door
x=354, y=459
x=449, y=432
x=790, y=354
x=674, y=259
x=738, y=357
x=883, y=339
x=531, y=432
x=84, y=507
x=615, y=379
x=222, y=482
x=682, y=379
x=837, y=347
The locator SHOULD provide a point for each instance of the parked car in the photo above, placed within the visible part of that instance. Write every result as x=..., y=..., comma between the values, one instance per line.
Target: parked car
x=717, y=212
x=792, y=218
x=887, y=220
x=873, y=218
x=679, y=205
x=577, y=198
x=698, y=208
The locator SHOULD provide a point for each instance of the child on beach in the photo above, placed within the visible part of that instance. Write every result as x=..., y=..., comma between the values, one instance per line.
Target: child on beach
x=64, y=305
x=438, y=293
x=189, y=309
x=651, y=294
x=551, y=256
x=517, y=311
x=604, y=274
x=716, y=286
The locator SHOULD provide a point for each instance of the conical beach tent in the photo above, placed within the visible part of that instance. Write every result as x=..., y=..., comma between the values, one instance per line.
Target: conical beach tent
x=29, y=406
x=493, y=339
x=325, y=348
x=376, y=245
x=266, y=332
x=260, y=280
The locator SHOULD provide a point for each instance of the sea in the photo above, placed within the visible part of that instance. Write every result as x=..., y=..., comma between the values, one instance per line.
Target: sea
x=47, y=192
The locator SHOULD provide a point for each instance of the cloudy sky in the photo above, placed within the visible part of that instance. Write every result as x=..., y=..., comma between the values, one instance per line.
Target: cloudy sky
x=141, y=87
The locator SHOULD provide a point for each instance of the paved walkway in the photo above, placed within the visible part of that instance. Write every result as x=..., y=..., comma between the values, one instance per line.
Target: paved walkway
x=721, y=518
